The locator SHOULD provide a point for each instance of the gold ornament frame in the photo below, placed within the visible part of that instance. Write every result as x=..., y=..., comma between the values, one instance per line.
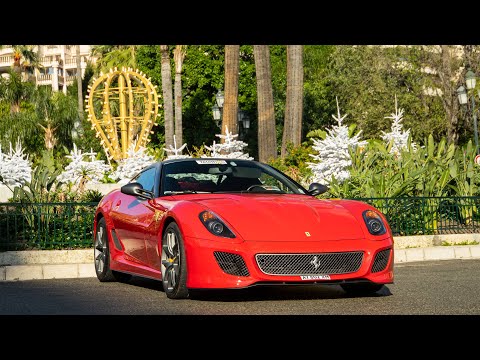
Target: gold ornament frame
x=122, y=106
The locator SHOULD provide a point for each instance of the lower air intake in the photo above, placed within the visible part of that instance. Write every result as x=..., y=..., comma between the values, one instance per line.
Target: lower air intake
x=381, y=261
x=232, y=264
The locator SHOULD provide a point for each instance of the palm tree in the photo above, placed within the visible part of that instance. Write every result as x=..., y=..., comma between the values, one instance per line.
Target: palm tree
x=292, y=128
x=230, y=105
x=13, y=90
x=267, y=137
x=178, y=56
x=109, y=56
x=77, y=126
x=167, y=95
x=56, y=114
x=25, y=57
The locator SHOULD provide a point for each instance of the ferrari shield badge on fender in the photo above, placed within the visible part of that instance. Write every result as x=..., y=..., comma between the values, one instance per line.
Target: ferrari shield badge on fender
x=158, y=215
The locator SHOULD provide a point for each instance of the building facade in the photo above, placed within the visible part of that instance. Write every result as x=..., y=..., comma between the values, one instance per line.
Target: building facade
x=58, y=64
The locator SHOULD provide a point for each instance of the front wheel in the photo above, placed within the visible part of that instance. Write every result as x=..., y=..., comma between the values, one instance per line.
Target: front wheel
x=102, y=256
x=174, y=266
x=361, y=288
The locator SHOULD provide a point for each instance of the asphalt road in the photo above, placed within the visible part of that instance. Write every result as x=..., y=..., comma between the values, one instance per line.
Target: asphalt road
x=448, y=287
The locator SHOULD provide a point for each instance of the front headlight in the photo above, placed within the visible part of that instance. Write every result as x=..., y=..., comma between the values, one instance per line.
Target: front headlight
x=374, y=223
x=213, y=224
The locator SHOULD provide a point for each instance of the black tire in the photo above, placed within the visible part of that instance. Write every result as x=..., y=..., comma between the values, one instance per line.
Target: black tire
x=102, y=256
x=173, y=263
x=361, y=288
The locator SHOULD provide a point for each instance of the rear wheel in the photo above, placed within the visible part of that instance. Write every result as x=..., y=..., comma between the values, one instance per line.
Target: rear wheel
x=361, y=288
x=102, y=256
x=174, y=266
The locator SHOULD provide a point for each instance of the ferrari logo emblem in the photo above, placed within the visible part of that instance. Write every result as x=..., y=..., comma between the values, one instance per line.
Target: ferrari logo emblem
x=158, y=215
x=307, y=233
x=315, y=262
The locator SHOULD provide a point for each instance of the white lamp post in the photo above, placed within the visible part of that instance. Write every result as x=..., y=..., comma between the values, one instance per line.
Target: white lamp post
x=470, y=82
x=217, y=108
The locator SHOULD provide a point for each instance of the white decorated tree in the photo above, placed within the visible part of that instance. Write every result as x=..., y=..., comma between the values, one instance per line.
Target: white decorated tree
x=231, y=147
x=174, y=152
x=15, y=168
x=398, y=137
x=83, y=168
x=132, y=164
x=333, y=157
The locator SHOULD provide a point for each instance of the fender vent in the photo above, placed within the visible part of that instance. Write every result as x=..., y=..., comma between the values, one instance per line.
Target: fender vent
x=116, y=241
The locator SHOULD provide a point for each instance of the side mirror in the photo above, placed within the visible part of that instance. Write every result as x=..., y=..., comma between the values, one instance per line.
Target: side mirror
x=136, y=189
x=317, y=189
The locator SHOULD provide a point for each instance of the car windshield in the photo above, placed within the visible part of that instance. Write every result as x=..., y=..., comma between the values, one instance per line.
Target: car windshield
x=224, y=176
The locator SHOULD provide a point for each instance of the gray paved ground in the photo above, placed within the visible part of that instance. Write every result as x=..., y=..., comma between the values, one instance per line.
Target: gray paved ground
x=424, y=288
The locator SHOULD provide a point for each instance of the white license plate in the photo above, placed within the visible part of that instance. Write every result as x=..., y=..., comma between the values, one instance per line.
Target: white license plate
x=315, y=277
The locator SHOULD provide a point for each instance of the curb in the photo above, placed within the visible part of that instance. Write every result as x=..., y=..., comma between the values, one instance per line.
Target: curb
x=55, y=271
x=85, y=268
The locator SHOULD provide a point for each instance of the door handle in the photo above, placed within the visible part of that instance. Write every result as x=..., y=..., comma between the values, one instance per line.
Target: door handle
x=118, y=203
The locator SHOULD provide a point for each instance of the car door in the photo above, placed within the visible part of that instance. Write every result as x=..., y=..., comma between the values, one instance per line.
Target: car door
x=132, y=217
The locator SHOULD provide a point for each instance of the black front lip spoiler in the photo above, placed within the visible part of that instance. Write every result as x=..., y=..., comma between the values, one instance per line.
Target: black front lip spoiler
x=297, y=283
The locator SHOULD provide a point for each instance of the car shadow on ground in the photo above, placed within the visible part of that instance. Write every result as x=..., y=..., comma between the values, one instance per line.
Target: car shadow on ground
x=264, y=293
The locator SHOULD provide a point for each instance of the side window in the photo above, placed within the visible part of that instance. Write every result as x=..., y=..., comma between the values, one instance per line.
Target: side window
x=146, y=179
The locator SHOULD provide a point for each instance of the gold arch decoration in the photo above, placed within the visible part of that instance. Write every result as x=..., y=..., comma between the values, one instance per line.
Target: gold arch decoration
x=122, y=106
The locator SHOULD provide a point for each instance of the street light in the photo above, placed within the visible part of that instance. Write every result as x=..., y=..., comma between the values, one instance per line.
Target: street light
x=217, y=110
x=470, y=81
x=243, y=119
x=462, y=95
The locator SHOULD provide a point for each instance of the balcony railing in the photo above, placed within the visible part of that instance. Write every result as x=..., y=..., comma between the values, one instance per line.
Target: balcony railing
x=6, y=60
x=71, y=61
x=44, y=79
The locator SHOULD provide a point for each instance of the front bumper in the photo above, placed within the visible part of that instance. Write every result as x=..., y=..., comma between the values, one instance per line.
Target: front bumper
x=204, y=271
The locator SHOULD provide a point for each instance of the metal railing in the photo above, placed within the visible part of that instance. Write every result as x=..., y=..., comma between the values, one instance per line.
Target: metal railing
x=430, y=215
x=39, y=226
x=6, y=60
x=70, y=225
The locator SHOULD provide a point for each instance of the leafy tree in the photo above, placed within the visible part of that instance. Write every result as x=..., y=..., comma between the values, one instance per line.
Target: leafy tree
x=319, y=98
x=366, y=78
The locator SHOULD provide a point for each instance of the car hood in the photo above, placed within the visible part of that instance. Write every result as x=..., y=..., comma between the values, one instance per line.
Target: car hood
x=285, y=217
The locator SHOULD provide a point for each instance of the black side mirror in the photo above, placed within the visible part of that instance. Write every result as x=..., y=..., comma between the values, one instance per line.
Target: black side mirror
x=136, y=189
x=317, y=189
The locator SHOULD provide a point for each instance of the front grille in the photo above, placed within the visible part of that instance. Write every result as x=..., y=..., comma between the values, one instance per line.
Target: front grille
x=310, y=264
x=232, y=264
x=381, y=261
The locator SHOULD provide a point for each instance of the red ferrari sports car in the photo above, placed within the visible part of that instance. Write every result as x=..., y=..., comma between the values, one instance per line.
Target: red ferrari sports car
x=211, y=223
